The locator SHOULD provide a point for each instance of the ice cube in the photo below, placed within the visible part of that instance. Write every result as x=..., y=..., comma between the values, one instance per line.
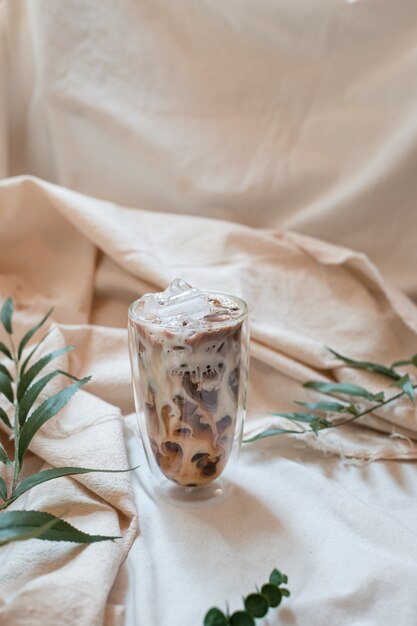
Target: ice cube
x=150, y=306
x=179, y=300
x=177, y=286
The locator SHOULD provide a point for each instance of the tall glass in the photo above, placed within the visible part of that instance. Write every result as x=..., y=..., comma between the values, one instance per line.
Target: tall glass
x=190, y=386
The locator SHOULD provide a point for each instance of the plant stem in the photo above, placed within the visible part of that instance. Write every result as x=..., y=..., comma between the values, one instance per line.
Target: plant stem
x=16, y=423
x=372, y=408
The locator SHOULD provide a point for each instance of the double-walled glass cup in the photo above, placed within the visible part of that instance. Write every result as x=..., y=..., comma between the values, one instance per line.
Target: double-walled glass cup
x=189, y=385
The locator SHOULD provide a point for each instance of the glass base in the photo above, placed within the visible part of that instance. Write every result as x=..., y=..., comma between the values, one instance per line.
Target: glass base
x=193, y=496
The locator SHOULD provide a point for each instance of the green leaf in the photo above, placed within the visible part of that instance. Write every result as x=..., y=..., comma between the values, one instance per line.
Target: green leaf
x=315, y=422
x=345, y=388
x=6, y=315
x=319, y=424
x=352, y=409
x=411, y=361
x=4, y=417
x=31, y=332
x=58, y=472
x=15, y=525
x=406, y=385
x=33, y=371
x=271, y=432
x=31, y=353
x=3, y=488
x=285, y=592
x=5, y=350
x=273, y=594
x=257, y=604
x=298, y=416
x=414, y=360
x=241, y=618
x=369, y=367
x=33, y=392
x=6, y=387
x=3, y=456
x=31, y=533
x=5, y=372
x=333, y=407
x=215, y=617
x=277, y=578
x=48, y=409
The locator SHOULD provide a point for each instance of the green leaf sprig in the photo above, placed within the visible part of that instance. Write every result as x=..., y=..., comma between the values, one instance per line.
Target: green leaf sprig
x=314, y=418
x=21, y=389
x=256, y=604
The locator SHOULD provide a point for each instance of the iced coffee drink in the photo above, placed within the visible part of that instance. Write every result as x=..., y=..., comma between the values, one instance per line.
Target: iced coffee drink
x=188, y=347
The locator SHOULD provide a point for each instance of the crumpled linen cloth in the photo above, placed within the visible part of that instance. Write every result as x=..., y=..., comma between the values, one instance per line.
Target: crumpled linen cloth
x=90, y=259
x=303, y=295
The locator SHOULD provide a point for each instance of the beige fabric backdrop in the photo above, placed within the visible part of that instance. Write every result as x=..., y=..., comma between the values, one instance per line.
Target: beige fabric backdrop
x=274, y=113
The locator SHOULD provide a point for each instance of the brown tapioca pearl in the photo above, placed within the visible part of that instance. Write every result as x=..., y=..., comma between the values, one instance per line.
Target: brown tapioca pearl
x=172, y=446
x=209, y=469
x=198, y=456
x=223, y=423
x=171, y=459
x=205, y=460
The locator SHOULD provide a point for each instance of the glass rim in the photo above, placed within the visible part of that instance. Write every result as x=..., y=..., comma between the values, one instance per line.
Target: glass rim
x=213, y=325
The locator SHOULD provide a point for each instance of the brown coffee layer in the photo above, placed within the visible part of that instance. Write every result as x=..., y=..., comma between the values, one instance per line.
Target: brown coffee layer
x=189, y=383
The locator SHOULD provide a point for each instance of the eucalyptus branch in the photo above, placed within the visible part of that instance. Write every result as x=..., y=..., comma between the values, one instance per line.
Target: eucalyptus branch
x=370, y=409
x=22, y=391
x=318, y=422
x=255, y=604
